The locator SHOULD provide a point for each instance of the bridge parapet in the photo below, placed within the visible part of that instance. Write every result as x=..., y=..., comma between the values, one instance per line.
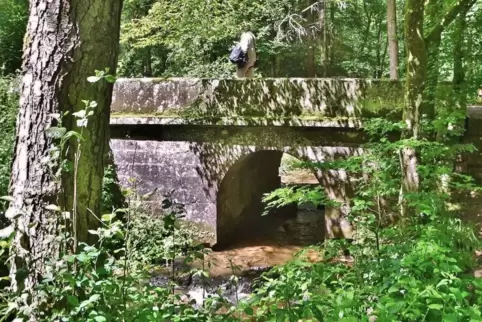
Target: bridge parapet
x=272, y=98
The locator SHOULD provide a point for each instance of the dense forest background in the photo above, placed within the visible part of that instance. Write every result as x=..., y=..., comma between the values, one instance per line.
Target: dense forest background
x=161, y=38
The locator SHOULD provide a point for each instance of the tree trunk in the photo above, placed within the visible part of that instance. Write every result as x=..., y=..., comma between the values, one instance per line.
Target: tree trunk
x=392, y=38
x=66, y=42
x=414, y=89
x=324, y=35
x=432, y=42
x=459, y=32
x=311, y=57
x=331, y=40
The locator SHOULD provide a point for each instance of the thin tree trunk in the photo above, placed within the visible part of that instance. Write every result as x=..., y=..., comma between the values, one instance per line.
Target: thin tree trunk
x=148, y=60
x=379, y=62
x=331, y=39
x=459, y=82
x=432, y=43
x=433, y=52
x=66, y=42
x=392, y=38
x=311, y=57
x=324, y=45
x=459, y=33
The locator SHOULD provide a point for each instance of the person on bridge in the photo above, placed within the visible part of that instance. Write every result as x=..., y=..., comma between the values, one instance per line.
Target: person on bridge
x=247, y=44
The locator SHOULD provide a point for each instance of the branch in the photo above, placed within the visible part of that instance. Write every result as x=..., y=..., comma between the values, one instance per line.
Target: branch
x=449, y=17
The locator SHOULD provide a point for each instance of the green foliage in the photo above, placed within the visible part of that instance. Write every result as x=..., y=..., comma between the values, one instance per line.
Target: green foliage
x=13, y=23
x=102, y=283
x=109, y=183
x=420, y=269
x=193, y=38
x=419, y=274
x=8, y=112
x=158, y=239
x=112, y=196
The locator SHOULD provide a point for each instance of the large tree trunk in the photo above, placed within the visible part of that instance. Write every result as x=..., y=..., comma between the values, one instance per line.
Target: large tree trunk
x=414, y=89
x=66, y=42
x=392, y=38
x=420, y=89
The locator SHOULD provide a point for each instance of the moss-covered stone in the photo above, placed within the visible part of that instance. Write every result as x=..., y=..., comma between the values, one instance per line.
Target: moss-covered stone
x=383, y=97
x=272, y=97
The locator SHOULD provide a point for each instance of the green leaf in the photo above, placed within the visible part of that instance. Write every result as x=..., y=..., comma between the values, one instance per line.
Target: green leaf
x=107, y=217
x=452, y=317
x=249, y=310
x=80, y=114
x=435, y=306
x=110, y=78
x=94, y=297
x=55, y=132
x=100, y=318
x=70, y=134
x=69, y=258
x=93, y=79
x=73, y=300
x=82, y=258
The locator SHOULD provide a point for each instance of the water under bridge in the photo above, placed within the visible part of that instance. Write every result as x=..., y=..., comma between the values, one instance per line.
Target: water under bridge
x=218, y=144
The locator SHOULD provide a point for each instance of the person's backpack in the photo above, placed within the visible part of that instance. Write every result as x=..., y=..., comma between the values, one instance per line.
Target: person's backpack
x=238, y=56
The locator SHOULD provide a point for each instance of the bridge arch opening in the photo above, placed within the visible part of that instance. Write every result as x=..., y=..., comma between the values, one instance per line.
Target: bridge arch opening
x=240, y=206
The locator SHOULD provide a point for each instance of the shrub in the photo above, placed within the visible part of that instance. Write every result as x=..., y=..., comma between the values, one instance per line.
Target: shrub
x=419, y=274
x=8, y=112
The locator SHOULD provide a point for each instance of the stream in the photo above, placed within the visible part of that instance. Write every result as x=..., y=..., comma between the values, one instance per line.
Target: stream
x=247, y=262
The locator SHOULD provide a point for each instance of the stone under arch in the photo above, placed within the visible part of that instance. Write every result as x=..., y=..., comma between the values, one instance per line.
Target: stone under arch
x=239, y=205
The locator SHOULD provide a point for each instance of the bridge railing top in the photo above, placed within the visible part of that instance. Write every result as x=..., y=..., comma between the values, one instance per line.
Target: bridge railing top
x=259, y=97
x=192, y=97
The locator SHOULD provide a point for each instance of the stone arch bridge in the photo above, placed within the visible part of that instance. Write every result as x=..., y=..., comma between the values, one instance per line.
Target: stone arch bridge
x=218, y=143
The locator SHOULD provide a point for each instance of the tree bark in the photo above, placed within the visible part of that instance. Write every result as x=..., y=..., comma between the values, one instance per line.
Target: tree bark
x=66, y=42
x=311, y=56
x=414, y=89
x=324, y=37
x=459, y=53
x=392, y=38
x=420, y=87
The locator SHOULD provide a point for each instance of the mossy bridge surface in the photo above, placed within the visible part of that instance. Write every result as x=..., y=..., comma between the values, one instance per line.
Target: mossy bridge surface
x=218, y=144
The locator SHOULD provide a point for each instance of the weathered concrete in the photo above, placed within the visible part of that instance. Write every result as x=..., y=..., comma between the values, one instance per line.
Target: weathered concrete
x=222, y=185
x=218, y=143
x=276, y=97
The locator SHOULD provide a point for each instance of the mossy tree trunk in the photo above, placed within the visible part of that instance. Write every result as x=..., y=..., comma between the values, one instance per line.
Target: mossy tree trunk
x=438, y=21
x=422, y=74
x=66, y=42
x=458, y=39
x=414, y=89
